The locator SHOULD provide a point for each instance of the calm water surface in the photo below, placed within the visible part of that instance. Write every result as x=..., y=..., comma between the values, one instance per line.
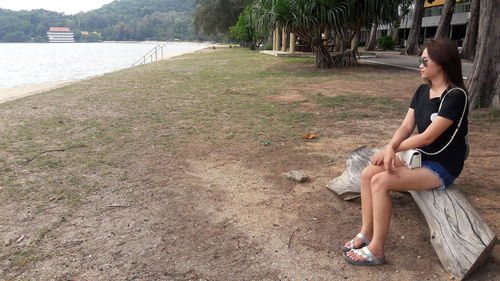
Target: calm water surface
x=23, y=64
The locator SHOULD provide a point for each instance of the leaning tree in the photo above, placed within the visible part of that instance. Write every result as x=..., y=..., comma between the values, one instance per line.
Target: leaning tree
x=443, y=29
x=412, y=46
x=372, y=40
x=469, y=45
x=483, y=83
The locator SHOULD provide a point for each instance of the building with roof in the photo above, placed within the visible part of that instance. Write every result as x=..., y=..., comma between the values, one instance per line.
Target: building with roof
x=60, y=35
x=430, y=21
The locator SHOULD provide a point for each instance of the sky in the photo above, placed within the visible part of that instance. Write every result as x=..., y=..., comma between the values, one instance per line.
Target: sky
x=64, y=6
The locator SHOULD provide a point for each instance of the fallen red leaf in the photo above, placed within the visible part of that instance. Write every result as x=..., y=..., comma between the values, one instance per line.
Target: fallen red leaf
x=309, y=136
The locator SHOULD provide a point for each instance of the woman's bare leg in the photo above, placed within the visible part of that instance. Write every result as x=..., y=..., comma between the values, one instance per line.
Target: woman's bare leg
x=366, y=204
x=366, y=200
x=400, y=179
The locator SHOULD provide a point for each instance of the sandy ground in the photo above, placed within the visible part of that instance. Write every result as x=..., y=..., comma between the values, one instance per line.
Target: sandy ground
x=167, y=175
x=20, y=92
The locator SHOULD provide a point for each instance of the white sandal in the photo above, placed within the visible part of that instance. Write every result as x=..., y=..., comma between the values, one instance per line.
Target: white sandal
x=369, y=258
x=360, y=236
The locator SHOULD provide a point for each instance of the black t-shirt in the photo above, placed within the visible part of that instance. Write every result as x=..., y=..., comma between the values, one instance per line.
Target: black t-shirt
x=453, y=157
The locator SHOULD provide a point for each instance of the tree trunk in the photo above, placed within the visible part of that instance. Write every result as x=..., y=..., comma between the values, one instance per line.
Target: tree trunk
x=461, y=238
x=355, y=39
x=347, y=186
x=323, y=57
x=470, y=41
x=372, y=41
x=443, y=29
x=338, y=42
x=345, y=38
x=347, y=58
x=484, y=81
x=340, y=36
x=412, y=47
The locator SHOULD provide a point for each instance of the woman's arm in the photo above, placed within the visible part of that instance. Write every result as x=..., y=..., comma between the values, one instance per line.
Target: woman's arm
x=452, y=110
x=435, y=129
x=402, y=133
x=405, y=130
x=401, y=140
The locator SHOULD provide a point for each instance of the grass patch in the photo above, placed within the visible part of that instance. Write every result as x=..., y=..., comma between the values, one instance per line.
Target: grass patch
x=356, y=102
x=486, y=114
x=352, y=115
x=303, y=118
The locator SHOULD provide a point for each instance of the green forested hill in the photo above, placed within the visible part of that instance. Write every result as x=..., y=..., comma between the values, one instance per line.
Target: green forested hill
x=29, y=25
x=119, y=20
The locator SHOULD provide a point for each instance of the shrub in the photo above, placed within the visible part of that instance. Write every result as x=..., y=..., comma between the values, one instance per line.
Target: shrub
x=386, y=43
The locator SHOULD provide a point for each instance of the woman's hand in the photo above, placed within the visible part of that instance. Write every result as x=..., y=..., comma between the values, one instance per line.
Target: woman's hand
x=389, y=159
x=378, y=158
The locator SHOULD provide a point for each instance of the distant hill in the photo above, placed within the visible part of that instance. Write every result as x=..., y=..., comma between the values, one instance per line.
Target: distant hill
x=25, y=26
x=119, y=20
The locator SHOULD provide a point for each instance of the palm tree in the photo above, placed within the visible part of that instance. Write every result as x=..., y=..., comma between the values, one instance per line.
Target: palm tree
x=309, y=18
x=305, y=18
x=365, y=13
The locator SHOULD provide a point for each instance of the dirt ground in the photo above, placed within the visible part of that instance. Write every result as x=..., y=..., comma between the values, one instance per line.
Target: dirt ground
x=149, y=190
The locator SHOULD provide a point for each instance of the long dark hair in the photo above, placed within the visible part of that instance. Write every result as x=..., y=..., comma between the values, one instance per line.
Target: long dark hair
x=445, y=53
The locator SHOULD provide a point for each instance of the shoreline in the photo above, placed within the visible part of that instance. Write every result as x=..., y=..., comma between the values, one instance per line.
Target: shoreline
x=10, y=94
x=130, y=42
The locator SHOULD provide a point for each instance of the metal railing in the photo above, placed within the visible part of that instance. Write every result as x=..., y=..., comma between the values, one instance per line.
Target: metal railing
x=154, y=55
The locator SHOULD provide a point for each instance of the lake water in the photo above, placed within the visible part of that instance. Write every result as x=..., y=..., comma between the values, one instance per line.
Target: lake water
x=23, y=64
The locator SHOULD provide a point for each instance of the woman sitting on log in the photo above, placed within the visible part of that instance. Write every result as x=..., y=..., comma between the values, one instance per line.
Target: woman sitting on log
x=439, y=109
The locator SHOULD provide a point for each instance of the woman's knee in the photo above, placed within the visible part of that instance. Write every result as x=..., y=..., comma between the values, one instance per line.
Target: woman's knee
x=379, y=182
x=370, y=171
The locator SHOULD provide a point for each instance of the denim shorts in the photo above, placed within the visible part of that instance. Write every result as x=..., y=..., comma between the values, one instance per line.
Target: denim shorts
x=444, y=176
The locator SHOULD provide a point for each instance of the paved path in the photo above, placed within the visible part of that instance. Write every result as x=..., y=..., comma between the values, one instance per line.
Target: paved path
x=408, y=62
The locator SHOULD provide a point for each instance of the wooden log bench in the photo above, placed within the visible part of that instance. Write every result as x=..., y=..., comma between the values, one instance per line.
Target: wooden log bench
x=461, y=238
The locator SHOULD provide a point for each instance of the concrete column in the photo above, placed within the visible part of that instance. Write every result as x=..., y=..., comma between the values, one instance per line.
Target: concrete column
x=278, y=39
x=283, y=40
x=292, y=43
x=274, y=40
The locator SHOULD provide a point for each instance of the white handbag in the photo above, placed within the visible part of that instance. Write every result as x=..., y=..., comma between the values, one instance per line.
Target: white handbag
x=412, y=158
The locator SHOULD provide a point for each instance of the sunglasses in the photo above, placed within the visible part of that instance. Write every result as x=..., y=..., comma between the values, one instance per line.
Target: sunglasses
x=422, y=61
